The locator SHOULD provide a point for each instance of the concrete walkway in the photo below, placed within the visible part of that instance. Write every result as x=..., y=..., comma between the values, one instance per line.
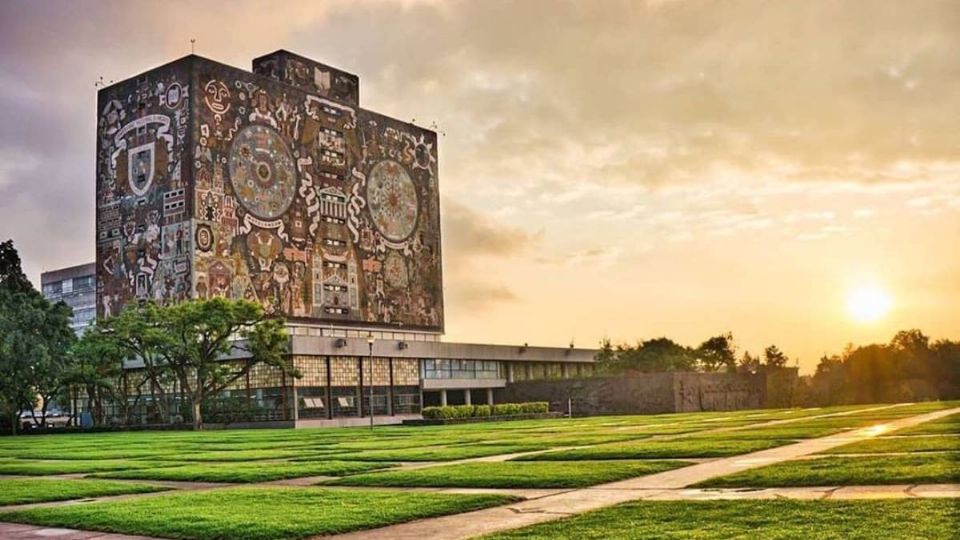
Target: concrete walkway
x=14, y=531
x=553, y=507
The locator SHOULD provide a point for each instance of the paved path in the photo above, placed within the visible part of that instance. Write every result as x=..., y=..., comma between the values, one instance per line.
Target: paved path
x=13, y=531
x=568, y=503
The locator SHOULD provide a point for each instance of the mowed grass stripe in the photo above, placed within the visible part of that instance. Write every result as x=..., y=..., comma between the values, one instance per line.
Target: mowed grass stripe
x=931, y=468
x=48, y=467
x=255, y=513
x=943, y=426
x=936, y=443
x=243, y=473
x=36, y=490
x=513, y=474
x=667, y=449
x=756, y=520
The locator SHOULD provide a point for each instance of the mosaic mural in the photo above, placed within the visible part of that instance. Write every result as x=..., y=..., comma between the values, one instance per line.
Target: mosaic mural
x=271, y=192
x=143, y=225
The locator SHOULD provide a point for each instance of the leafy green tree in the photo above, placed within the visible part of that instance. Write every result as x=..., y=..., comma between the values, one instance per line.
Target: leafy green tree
x=212, y=343
x=139, y=333
x=34, y=337
x=98, y=368
x=774, y=357
x=651, y=356
x=12, y=277
x=659, y=355
x=749, y=363
x=51, y=363
x=717, y=352
x=20, y=314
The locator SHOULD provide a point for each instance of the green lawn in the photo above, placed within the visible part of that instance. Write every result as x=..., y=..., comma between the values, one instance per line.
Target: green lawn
x=948, y=425
x=936, y=468
x=252, y=455
x=798, y=430
x=920, y=443
x=257, y=471
x=513, y=474
x=447, y=453
x=755, y=520
x=35, y=490
x=678, y=448
x=72, y=466
x=255, y=513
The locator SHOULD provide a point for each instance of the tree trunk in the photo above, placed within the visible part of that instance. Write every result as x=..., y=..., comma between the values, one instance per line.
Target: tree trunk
x=43, y=412
x=197, y=420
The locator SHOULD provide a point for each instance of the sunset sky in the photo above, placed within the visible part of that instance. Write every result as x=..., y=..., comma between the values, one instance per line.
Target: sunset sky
x=607, y=169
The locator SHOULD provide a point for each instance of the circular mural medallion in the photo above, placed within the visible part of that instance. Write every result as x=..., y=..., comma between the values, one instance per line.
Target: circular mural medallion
x=392, y=198
x=262, y=172
x=395, y=270
x=204, y=237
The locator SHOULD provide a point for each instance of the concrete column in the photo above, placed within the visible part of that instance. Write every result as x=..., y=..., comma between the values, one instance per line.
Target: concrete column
x=466, y=396
x=390, y=388
x=490, y=397
x=360, y=387
x=296, y=402
x=565, y=370
x=329, y=393
x=443, y=398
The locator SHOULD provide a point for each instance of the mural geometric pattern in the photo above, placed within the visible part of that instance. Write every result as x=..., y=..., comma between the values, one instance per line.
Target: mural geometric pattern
x=272, y=186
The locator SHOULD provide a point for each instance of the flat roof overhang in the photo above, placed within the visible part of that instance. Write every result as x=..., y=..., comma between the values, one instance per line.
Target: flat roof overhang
x=333, y=346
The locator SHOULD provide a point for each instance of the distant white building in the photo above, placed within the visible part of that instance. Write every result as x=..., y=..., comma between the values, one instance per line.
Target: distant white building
x=75, y=286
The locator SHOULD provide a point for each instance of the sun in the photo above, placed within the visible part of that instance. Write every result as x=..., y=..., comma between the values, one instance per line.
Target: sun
x=868, y=303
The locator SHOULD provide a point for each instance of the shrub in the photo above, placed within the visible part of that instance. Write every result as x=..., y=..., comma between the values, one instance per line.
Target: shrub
x=473, y=411
x=432, y=412
x=536, y=407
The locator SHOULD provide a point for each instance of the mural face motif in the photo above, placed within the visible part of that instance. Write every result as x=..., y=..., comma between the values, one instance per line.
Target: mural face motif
x=392, y=199
x=262, y=172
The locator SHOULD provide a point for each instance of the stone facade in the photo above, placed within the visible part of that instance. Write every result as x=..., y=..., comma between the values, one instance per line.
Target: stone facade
x=272, y=186
x=643, y=393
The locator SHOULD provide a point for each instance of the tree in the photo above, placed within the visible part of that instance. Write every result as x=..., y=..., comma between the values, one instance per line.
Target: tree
x=717, y=352
x=749, y=363
x=651, y=356
x=98, y=368
x=139, y=333
x=774, y=357
x=34, y=337
x=212, y=343
x=20, y=313
x=12, y=277
x=51, y=364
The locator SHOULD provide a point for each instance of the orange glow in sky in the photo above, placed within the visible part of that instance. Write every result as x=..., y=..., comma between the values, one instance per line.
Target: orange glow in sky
x=630, y=170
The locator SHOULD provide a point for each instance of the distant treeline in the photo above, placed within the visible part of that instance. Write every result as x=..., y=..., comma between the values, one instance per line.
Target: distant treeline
x=662, y=354
x=911, y=367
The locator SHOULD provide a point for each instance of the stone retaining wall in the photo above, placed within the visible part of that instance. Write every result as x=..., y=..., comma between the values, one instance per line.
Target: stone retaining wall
x=643, y=393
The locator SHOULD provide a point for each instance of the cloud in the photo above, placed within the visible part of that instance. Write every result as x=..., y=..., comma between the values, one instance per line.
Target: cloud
x=469, y=233
x=469, y=296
